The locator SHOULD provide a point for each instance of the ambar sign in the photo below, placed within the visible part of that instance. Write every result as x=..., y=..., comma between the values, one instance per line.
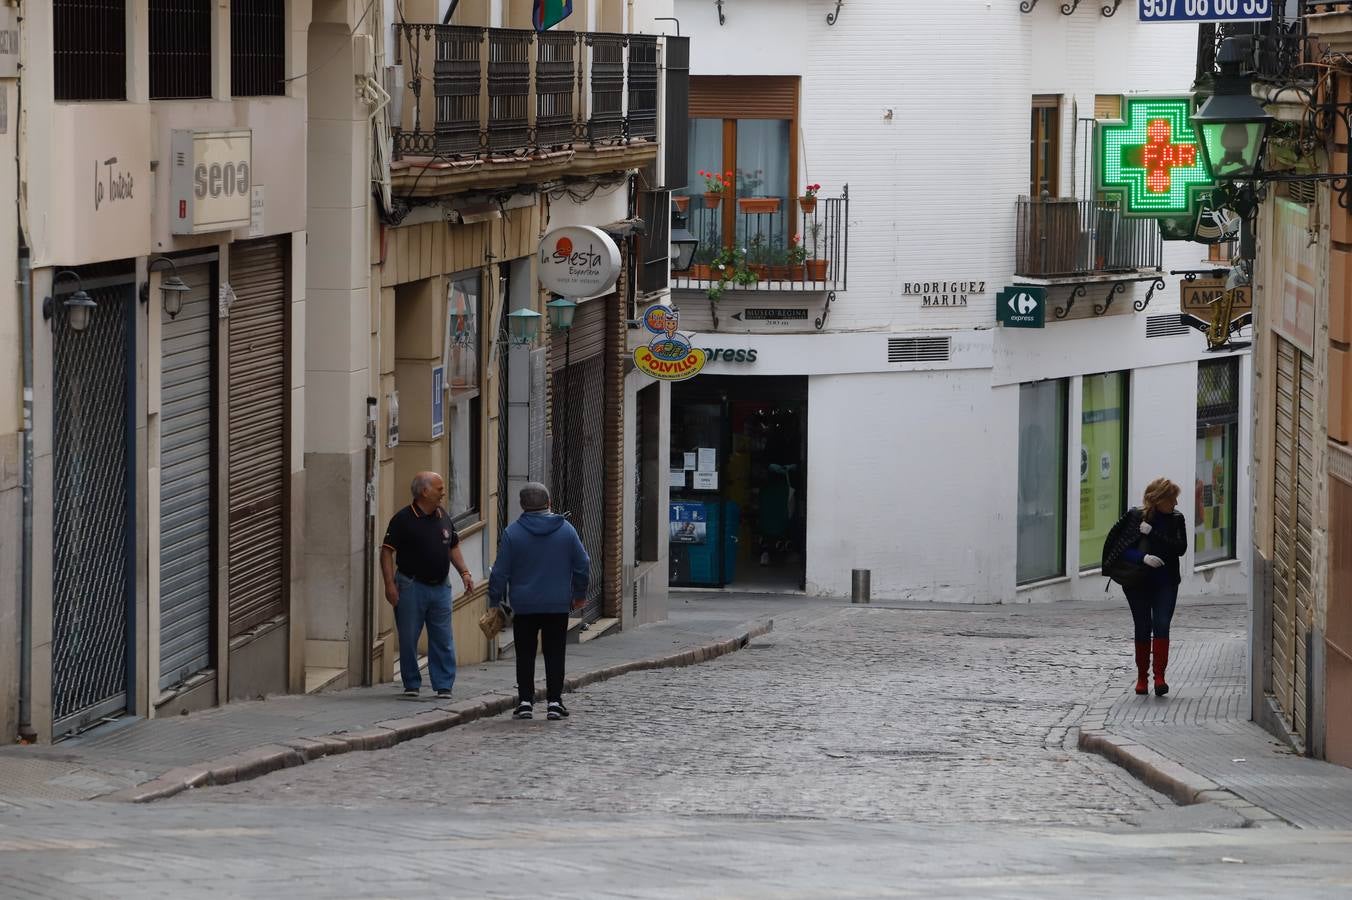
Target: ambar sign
x=211, y=181
x=1203, y=294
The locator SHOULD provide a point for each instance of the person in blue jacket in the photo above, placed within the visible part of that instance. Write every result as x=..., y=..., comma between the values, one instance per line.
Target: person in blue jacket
x=541, y=572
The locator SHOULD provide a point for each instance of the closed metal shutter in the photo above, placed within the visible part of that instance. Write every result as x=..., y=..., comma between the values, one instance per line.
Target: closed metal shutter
x=1293, y=544
x=257, y=455
x=579, y=438
x=93, y=523
x=743, y=96
x=186, y=402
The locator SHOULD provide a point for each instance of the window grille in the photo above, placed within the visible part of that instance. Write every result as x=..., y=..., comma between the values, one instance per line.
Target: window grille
x=180, y=49
x=89, y=40
x=257, y=48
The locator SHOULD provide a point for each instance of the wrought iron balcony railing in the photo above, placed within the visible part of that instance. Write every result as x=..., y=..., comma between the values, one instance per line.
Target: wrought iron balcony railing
x=1281, y=46
x=787, y=244
x=1068, y=238
x=503, y=91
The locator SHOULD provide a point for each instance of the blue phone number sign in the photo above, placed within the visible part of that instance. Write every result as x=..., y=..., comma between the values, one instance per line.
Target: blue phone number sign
x=1205, y=10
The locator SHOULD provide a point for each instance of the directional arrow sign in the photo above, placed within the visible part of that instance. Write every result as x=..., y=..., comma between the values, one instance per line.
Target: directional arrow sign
x=1021, y=307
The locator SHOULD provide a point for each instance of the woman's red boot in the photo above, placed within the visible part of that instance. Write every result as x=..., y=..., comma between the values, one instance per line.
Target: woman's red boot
x=1142, y=665
x=1161, y=649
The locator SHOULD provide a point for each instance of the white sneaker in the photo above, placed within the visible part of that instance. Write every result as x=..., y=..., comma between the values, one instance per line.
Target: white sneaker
x=523, y=711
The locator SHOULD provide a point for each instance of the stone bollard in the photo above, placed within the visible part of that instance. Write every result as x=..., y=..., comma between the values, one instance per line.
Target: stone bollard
x=860, y=585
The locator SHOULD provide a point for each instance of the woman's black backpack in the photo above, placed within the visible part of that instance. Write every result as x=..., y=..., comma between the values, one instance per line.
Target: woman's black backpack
x=1123, y=536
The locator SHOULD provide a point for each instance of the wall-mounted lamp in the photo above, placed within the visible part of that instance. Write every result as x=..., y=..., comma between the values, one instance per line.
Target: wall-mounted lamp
x=523, y=326
x=561, y=312
x=172, y=288
x=79, y=305
x=683, y=243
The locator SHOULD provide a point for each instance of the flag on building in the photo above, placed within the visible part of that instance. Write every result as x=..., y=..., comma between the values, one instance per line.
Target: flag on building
x=549, y=13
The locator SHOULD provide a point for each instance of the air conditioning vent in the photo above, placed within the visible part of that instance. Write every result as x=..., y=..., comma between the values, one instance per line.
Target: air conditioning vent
x=1165, y=326
x=1302, y=192
x=918, y=349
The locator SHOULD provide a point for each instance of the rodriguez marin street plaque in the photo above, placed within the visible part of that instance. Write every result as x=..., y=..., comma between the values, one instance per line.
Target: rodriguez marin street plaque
x=939, y=294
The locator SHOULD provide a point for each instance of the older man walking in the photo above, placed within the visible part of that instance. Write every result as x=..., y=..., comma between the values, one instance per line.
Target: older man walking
x=421, y=543
x=542, y=570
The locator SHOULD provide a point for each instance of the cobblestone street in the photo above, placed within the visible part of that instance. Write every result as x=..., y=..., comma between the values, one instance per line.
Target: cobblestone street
x=851, y=752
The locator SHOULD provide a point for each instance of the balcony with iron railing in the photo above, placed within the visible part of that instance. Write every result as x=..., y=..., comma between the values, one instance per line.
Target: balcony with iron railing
x=1071, y=240
x=766, y=244
x=1281, y=48
x=509, y=104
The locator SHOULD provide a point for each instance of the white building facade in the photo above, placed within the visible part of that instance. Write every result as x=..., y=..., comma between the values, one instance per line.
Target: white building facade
x=872, y=415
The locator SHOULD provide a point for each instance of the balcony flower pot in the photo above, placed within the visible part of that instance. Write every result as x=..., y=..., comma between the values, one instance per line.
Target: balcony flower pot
x=808, y=205
x=681, y=202
x=712, y=200
x=760, y=270
x=758, y=205
x=816, y=269
x=700, y=272
x=786, y=273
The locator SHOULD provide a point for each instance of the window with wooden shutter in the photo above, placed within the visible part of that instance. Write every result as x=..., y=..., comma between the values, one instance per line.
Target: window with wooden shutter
x=1044, y=146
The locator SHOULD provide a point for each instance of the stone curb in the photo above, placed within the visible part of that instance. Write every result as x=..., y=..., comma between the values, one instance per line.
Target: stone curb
x=1182, y=785
x=259, y=761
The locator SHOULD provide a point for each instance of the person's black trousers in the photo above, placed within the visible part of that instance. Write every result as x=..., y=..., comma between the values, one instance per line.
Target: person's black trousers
x=529, y=630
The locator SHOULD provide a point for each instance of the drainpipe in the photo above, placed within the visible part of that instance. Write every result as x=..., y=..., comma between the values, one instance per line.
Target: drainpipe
x=369, y=612
x=26, y=732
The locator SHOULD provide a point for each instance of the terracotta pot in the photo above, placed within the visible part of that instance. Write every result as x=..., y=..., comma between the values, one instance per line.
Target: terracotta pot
x=758, y=204
x=682, y=202
x=760, y=270
x=816, y=269
x=808, y=205
x=786, y=273
x=713, y=200
x=699, y=272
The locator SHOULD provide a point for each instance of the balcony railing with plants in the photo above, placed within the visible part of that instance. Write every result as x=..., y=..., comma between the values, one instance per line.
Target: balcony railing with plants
x=472, y=92
x=765, y=243
x=1067, y=237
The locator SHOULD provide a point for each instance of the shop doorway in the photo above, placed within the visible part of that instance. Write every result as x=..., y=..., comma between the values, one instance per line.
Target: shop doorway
x=739, y=483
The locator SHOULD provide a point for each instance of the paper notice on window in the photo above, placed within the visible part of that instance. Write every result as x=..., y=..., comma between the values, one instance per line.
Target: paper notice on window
x=706, y=481
x=678, y=478
x=690, y=461
x=708, y=460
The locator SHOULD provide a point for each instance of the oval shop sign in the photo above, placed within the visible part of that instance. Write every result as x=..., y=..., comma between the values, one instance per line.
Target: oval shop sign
x=579, y=261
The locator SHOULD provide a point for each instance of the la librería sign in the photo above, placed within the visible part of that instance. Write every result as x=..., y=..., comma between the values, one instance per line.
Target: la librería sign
x=211, y=182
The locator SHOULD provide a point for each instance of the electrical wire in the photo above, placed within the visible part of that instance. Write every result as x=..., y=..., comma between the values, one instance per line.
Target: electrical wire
x=336, y=50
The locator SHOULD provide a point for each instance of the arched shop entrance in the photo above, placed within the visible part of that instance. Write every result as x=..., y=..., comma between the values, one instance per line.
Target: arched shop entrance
x=739, y=482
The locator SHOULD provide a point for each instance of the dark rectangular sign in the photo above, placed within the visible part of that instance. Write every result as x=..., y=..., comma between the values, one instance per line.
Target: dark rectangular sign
x=1204, y=10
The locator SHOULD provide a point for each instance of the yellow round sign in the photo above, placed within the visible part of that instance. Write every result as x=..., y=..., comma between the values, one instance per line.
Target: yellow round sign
x=654, y=366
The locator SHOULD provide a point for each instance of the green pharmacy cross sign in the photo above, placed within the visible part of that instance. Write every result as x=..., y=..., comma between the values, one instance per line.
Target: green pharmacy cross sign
x=1152, y=160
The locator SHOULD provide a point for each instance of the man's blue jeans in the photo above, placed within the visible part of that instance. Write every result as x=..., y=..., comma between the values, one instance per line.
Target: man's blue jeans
x=425, y=604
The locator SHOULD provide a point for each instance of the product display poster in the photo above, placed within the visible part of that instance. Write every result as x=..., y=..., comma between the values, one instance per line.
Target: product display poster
x=689, y=523
x=706, y=481
x=708, y=460
x=1102, y=462
x=1212, y=525
x=690, y=461
x=678, y=478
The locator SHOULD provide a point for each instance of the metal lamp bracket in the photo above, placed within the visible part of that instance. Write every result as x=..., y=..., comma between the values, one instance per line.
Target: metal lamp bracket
x=722, y=19
x=1069, y=8
x=826, y=310
x=1027, y=5
x=1109, y=11
x=834, y=17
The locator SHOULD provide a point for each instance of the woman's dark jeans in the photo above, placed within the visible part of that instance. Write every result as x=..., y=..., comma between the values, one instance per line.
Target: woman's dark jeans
x=1152, y=608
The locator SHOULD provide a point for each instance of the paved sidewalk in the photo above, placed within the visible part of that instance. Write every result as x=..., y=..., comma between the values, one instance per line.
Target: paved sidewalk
x=1198, y=745
x=137, y=759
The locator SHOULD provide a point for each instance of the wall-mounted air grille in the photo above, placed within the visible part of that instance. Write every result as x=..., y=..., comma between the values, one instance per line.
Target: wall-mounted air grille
x=918, y=349
x=1165, y=326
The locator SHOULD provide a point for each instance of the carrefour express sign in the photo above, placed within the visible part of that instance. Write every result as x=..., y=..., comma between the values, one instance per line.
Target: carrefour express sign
x=1205, y=10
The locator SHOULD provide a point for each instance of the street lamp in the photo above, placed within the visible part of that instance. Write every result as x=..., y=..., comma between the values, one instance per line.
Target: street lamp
x=561, y=312
x=79, y=305
x=1233, y=124
x=683, y=243
x=172, y=288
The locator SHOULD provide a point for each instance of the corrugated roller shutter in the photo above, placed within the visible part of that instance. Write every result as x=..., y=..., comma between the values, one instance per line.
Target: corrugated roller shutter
x=186, y=406
x=257, y=434
x=743, y=96
x=586, y=339
x=1293, y=536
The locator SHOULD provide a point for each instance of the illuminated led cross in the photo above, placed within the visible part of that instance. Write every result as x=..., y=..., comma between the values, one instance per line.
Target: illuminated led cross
x=1151, y=160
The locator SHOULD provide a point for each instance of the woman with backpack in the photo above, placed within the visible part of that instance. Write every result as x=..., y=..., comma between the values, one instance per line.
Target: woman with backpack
x=1142, y=554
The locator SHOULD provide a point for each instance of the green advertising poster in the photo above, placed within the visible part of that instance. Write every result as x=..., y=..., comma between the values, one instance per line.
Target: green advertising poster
x=1212, y=526
x=1102, y=462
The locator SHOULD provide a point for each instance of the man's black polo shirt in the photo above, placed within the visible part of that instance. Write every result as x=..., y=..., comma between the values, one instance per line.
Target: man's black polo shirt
x=422, y=543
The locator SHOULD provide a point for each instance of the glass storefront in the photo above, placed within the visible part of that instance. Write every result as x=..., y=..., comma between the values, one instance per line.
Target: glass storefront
x=1217, y=455
x=1041, y=548
x=1103, y=462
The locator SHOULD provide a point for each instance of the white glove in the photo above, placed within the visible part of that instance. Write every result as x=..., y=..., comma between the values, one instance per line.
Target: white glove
x=1145, y=527
x=1153, y=561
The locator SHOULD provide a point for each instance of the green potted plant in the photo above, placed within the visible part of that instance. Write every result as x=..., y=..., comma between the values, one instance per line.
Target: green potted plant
x=729, y=267
x=715, y=185
x=816, y=265
x=758, y=256
x=795, y=256
x=808, y=202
